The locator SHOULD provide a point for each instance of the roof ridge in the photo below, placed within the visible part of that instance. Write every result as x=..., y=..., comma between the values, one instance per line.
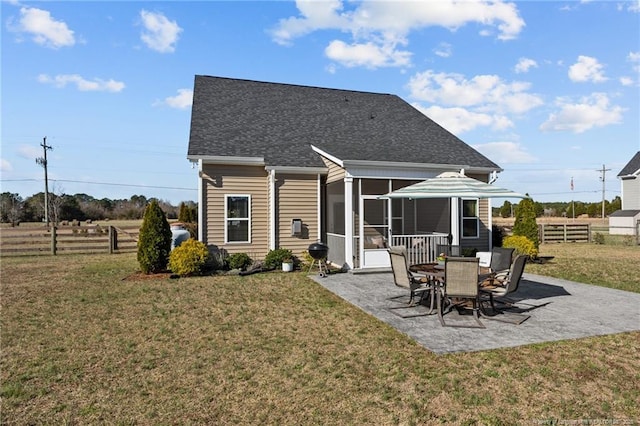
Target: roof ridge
x=294, y=85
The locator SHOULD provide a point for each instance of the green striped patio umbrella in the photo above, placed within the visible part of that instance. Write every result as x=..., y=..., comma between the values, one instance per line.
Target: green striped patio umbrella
x=452, y=184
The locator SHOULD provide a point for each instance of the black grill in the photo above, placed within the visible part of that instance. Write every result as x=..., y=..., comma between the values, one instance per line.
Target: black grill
x=318, y=250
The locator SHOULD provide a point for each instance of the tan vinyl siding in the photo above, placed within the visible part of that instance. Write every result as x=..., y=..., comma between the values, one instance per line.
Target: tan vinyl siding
x=484, y=211
x=296, y=198
x=240, y=180
x=336, y=173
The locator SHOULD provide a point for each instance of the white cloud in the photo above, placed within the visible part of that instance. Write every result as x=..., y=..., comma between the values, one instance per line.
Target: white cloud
x=634, y=6
x=587, y=69
x=524, y=65
x=589, y=112
x=377, y=27
x=97, y=85
x=5, y=166
x=506, y=152
x=367, y=55
x=443, y=50
x=460, y=120
x=45, y=30
x=29, y=152
x=159, y=34
x=634, y=58
x=626, y=81
x=487, y=93
x=183, y=100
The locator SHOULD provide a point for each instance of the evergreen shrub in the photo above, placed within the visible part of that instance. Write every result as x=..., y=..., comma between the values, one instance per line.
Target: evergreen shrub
x=154, y=241
x=239, y=261
x=525, y=224
x=497, y=235
x=275, y=257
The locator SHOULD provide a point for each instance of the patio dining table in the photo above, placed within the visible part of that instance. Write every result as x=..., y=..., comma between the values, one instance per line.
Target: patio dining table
x=436, y=274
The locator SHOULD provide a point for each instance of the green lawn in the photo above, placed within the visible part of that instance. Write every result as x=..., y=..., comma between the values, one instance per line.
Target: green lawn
x=84, y=343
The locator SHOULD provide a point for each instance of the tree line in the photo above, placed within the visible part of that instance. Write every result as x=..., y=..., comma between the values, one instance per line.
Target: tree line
x=63, y=207
x=562, y=209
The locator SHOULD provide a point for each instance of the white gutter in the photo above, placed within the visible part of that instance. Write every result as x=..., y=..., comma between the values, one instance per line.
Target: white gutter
x=228, y=160
x=298, y=170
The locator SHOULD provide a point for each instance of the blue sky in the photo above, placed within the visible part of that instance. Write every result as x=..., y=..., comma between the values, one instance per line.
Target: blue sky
x=548, y=90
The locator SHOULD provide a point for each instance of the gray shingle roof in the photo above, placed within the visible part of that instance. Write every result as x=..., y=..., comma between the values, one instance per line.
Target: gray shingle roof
x=625, y=213
x=280, y=122
x=632, y=166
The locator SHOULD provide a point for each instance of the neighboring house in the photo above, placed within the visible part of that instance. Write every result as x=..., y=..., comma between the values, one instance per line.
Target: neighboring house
x=627, y=220
x=283, y=165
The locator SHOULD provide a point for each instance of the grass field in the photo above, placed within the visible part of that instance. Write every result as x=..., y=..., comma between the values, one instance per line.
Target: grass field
x=85, y=343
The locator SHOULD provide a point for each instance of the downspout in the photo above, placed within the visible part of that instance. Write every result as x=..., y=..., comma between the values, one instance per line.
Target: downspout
x=272, y=209
x=319, y=210
x=200, y=202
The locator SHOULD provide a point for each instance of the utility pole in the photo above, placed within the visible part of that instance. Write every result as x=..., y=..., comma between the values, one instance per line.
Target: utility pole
x=43, y=162
x=603, y=172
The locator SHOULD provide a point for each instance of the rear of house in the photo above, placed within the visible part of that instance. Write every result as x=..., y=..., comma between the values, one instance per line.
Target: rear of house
x=286, y=165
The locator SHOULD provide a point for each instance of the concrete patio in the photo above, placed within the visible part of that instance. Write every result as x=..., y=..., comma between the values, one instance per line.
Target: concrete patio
x=558, y=309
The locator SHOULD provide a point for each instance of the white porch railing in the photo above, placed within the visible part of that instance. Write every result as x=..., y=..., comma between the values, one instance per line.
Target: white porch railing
x=421, y=248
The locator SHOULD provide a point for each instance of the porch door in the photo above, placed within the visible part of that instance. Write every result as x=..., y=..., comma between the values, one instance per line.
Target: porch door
x=374, y=232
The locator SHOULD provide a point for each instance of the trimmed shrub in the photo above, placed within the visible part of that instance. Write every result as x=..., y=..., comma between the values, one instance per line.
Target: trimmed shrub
x=497, y=235
x=275, y=257
x=189, y=258
x=154, y=241
x=239, y=261
x=522, y=245
x=307, y=259
x=598, y=238
x=469, y=252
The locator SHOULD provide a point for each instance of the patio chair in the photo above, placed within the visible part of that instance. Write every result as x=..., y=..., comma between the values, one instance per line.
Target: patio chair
x=417, y=284
x=507, y=284
x=501, y=258
x=460, y=287
x=499, y=265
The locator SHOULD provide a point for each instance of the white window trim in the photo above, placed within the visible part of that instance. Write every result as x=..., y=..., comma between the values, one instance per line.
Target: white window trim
x=226, y=219
x=476, y=217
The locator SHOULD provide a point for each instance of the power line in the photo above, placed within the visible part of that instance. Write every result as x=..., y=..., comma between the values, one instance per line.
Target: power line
x=125, y=184
x=103, y=183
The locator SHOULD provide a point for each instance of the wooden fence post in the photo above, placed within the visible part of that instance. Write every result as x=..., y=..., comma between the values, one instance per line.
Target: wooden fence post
x=54, y=248
x=113, y=239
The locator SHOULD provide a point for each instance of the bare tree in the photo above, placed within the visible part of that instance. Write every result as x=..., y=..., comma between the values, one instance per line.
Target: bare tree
x=11, y=206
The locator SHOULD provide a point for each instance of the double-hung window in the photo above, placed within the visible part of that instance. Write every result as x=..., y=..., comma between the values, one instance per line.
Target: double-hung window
x=237, y=218
x=470, y=220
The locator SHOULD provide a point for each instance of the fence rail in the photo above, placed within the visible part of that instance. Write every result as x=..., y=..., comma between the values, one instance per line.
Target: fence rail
x=68, y=239
x=564, y=232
